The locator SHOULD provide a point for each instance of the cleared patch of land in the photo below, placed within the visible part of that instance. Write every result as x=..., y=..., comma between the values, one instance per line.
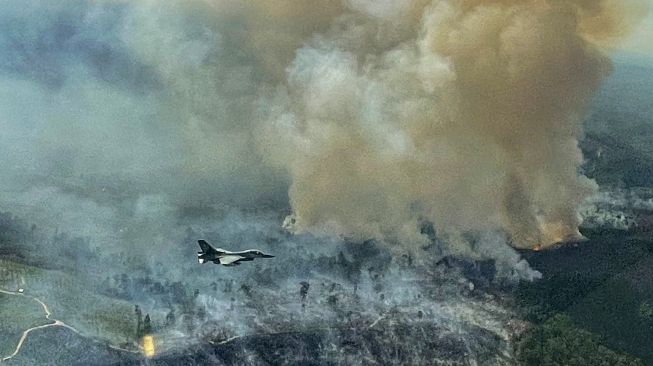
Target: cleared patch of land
x=70, y=298
x=17, y=314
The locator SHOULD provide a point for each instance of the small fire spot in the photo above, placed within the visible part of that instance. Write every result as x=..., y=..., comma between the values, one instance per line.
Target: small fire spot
x=148, y=346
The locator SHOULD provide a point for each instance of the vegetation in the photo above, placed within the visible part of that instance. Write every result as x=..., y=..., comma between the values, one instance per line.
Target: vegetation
x=558, y=342
x=646, y=311
x=69, y=298
x=17, y=313
x=541, y=300
x=594, y=303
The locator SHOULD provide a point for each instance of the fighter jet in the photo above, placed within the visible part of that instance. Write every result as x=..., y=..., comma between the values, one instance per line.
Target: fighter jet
x=225, y=257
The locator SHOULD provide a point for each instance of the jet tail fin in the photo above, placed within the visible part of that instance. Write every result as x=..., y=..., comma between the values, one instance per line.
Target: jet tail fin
x=206, y=247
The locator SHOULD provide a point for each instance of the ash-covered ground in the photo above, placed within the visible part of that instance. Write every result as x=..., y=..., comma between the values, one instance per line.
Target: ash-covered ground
x=319, y=300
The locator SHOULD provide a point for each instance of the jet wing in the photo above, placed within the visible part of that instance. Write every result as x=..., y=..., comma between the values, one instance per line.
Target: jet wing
x=230, y=259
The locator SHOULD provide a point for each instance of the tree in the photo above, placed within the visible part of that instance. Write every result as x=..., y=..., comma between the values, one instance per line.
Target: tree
x=559, y=342
x=139, y=321
x=201, y=314
x=171, y=318
x=147, y=325
x=246, y=290
x=303, y=291
x=646, y=311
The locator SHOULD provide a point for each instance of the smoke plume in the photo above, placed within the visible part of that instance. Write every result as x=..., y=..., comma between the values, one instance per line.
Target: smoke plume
x=466, y=114
x=367, y=118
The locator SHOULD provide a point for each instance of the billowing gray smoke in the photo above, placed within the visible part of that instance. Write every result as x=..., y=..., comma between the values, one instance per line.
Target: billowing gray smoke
x=369, y=117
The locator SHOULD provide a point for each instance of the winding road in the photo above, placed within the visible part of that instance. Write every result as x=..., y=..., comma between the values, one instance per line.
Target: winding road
x=23, y=337
x=56, y=323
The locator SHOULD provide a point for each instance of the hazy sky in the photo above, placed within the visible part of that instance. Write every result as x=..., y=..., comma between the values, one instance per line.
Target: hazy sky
x=641, y=42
